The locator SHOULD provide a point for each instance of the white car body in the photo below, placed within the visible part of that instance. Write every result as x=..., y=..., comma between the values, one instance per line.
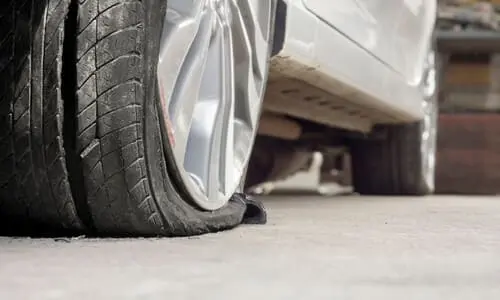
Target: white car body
x=369, y=52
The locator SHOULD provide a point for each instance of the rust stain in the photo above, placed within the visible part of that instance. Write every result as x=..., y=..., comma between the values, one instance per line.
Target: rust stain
x=166, y=118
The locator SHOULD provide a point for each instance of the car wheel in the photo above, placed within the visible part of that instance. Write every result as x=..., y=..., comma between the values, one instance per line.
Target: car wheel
x=168, y=99
x=34, y=183
x=404, y=162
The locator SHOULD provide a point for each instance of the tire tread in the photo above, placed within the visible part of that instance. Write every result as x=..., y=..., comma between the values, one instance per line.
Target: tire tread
x=115, y=164
x=390, y=166
x=37, y=190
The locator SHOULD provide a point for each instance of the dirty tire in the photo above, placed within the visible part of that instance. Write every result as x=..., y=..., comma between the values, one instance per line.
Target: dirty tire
x=391, y=166
x=34, y=186
x=128, y=184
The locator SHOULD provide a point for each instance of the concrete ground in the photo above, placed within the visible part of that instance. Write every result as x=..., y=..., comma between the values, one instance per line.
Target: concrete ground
x=344, y=247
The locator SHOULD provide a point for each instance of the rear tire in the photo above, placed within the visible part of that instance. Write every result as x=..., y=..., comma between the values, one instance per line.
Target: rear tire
x=392, y=166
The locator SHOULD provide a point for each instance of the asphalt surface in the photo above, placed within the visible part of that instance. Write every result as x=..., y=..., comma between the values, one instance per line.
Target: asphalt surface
x=344, y=247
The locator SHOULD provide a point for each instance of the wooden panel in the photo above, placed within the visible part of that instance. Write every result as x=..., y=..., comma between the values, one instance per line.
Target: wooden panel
x=468, y=74
x=468, y=160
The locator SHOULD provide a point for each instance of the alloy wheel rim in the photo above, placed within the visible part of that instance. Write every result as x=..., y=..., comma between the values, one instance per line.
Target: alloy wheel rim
x=429, y=124
x=212, y=66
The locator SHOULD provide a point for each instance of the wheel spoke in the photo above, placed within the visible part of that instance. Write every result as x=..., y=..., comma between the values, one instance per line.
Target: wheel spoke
x=186, y=91
x=198, y=150
x=255, y=15
x=224, y=141
x=181, y=27
x=211, y=136
x=250, y=59
x=182, y=63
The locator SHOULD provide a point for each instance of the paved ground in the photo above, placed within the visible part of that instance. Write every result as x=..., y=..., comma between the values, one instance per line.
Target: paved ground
x=313, y=248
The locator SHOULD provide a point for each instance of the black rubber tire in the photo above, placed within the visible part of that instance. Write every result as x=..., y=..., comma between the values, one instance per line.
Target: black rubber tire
x=391, y=166
x=129, y=186
x=34, y=186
